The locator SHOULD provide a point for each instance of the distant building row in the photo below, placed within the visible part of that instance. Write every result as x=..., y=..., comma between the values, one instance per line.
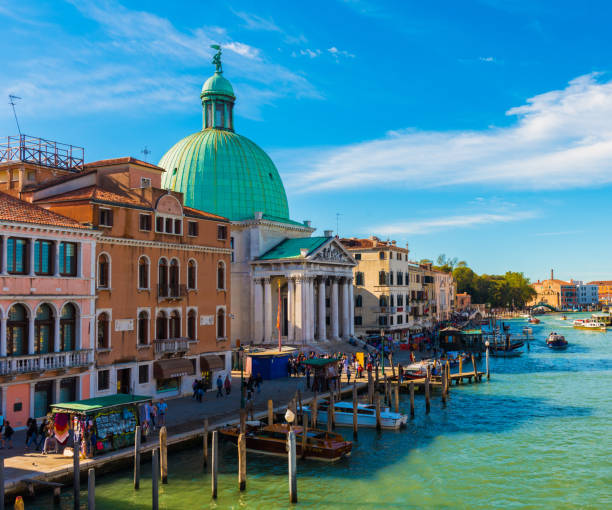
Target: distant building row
x=571, y=295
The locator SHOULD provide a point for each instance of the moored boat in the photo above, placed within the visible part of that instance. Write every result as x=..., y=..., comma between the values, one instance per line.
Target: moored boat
x=366, y=415
x=506, y=354
x=556, y=342
x=272, y=440
x=590, y=324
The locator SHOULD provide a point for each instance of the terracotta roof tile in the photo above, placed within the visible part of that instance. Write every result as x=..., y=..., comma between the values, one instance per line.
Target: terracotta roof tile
x=125, y=197
x=122, y=161
x=13, y=209
x=190, y=211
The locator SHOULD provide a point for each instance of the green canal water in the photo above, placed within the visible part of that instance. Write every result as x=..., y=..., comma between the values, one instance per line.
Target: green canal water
x=537, y=435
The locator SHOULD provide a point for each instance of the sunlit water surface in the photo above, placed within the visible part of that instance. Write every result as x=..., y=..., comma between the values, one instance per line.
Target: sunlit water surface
x=537, y=435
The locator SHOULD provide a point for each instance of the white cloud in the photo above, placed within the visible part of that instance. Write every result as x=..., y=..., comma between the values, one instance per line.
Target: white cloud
x=560, y=139
x=255, y=22
x=340, y=53
x=310, y=53
x=429, y=225
x=486, y=59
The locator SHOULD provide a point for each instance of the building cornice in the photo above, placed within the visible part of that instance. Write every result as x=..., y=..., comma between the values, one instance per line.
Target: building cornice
x=269, y=223
x=38, y=227
x=157, y=244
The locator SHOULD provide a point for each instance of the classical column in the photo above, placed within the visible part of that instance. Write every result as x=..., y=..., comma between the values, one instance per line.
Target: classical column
x=31, y=334
x=267, y=310
x=322, y=311
x=258, y=317
x=298, y=310
x=351, y=301
x=290, y=306
x=3, y=336
x=305, y=314
x=56, y=334
x=333, y=304
x=32, y=391
x=345, y=309
x=310, y=310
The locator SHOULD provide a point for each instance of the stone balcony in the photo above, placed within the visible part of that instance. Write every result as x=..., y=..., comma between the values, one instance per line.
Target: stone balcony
x=34, y=363
x=172, y=346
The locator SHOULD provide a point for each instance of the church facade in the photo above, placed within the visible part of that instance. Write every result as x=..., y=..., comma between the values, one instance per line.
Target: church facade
x=286, y=284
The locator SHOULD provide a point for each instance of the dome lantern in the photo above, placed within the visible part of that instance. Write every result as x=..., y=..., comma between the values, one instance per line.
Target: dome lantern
x=217, y=98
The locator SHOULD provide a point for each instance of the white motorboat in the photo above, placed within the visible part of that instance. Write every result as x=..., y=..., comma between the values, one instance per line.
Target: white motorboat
x=366, y=415
x=590, y=324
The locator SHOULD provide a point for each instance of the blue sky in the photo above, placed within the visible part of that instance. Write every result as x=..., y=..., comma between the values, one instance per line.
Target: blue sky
x=478, y=129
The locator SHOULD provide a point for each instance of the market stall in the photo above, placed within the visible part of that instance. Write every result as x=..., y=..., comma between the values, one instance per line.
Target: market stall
x=104, y=423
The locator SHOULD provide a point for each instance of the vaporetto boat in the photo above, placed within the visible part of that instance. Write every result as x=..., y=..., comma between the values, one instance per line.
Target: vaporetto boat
x=589, y=324
x=366, y=415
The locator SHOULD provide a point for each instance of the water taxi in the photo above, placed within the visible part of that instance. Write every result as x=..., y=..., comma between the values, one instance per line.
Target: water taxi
x=272, y=440
x=556, y=342
x=589, y=324
x=533, y=320
x=366, y=415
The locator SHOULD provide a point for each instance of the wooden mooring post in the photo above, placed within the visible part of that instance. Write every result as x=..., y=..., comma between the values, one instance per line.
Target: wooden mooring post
x=411, y=386
x=370, y=388
x=330, y=413
x=304, y=433
x=449, y=379
x=2, y=483
x=91, y=489
x=205, y=444
x=475, y=368
x=163, y=454
x=427, y=403
x=155, y=480
x=396, y=393
x=355, y=405
x=270, y=412
x=242, y=461
x=137, y=458
x=444, y=381
x=76, y=473
x=377, y=399
x=487, y=359
x=214, y=463
x=315, y=410
x=293, y=497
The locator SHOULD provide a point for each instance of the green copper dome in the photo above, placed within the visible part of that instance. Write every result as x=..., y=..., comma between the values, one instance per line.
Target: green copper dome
x=224, y=173
x=219, y=171
x=217, y=84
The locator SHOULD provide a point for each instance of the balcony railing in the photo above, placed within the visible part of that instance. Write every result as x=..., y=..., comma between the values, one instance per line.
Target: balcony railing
x=178, y=291
x=42, y=362
x=171, y=346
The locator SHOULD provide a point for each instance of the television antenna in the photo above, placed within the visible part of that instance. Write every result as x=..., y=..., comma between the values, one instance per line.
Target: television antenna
x=146, y=153
x=12, y=103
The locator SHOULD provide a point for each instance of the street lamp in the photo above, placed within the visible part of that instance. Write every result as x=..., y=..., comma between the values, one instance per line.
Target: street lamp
x=241, y=351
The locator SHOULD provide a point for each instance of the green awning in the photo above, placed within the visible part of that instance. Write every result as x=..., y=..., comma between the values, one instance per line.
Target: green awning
x=320, y=362
x=94, y=404
x=472, y=332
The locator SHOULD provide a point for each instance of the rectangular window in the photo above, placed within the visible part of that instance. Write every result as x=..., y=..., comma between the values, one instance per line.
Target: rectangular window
x=169, y=225
x=391, y=278
x=400, y=319
x=382, y=320
x=143, y=374
x=358, y=320
x=381, y=255
x=359, y=278
x=103, y=380
x=67, y=259
x=178, y=227
x=357, y=256
x=17, y=255
x=159, y=224
x=232, y=259
x=145, y=222
x=43, y=258
x=145, y=182
x=106, y=218
x=192, y=228
x=221, y=232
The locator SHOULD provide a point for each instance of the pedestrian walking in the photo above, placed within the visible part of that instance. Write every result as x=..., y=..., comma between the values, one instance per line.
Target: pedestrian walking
x=42, y=433
x=228, y=384
x=162, y=407
x=31, y=433
x=7, y=437
x=219, y=386
x=348, y=374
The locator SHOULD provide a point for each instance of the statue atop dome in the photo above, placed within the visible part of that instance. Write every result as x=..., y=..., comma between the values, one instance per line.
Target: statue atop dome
x=217, y=58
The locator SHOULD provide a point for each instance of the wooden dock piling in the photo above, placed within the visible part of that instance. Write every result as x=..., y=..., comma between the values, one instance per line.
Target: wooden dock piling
x=205, y=445
x=330, y=413
x=427, y=402
x=377, y=399
x=475, y=369
x=411, y=385
x=2, y=483
x=355, y=404
x=91, y=489
x=137, y=458
x=243, y=417
x=315, y=410
x=370, y=388
x=304, y=433
x=163, y=454
x=155, y=480
x=396, y=392
x=444, y=381
x=214, y=463
x=487, y=359
x=292, y=468
x=270, y=412
x=242, y=461
x=76, y=473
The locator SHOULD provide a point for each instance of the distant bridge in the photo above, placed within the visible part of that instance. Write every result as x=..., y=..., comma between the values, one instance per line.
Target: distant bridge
x=542, y=304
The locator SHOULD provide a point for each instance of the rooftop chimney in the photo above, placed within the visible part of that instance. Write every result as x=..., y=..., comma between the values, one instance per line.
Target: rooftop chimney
x=552, y=274
x=308, y=223
x=303, y=252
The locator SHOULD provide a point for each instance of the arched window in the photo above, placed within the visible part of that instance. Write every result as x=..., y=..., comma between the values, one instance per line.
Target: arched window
x=191, y=275
x=358, y=301
x=161, y=326
x=143, y=273
x=221, y=276
x=221, y=323
x=103, y=271
x=382, y=301
x=143, y=328
x=175, y=325
x=17, y=331
x=68, y=328
x=191, y=325
x=174, y=278
x=162, y=278
x=103, y=331
x=43, y=329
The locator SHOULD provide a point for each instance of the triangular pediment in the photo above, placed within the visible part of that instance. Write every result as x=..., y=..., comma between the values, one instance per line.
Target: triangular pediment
x=332, y=251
